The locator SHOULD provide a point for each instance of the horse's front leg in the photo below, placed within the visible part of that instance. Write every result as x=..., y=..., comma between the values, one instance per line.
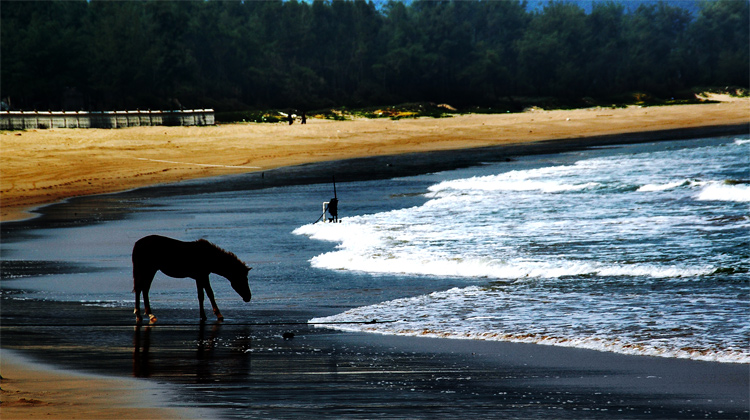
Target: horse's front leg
x=199, y=284
x=210, y=294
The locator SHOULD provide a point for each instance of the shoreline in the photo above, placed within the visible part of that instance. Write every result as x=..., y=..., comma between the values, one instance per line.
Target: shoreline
x=42, y=167
x=331, y=374
x=391, y=165
x=33, y=389
x=71, y=211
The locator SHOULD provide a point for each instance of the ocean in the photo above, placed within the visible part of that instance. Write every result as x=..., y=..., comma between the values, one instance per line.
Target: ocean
x=642, y=251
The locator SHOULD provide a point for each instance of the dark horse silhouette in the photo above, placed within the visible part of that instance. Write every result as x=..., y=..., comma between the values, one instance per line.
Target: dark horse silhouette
x=185, y=259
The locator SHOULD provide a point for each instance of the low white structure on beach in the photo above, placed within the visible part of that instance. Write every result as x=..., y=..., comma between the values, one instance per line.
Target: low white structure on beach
x=21, y=120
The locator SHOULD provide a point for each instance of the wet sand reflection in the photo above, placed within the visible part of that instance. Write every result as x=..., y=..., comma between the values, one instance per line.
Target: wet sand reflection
x=166, y=351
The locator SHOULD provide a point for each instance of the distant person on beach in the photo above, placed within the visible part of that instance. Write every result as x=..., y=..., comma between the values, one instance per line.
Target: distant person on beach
x=290, y=118
x=333, y=210
x=304, y=118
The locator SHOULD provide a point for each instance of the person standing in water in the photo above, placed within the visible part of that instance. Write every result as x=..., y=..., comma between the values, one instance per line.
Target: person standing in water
x=333, y=210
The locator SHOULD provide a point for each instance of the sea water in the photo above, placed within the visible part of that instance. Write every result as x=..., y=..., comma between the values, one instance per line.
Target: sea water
x=641, y=250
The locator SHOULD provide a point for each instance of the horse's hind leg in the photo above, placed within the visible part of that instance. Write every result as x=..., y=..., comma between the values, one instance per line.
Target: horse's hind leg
x=141, y=284
x=210, y=294
x=137, y=309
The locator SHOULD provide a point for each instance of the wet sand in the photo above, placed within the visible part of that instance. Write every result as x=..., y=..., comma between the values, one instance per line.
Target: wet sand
x=40, y=167
x=321, y=373
x=32, y=390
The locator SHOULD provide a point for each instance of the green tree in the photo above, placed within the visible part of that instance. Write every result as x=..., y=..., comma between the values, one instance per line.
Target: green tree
x=234, y=55
x=399, y=65
x=721, y=36
x=606, y=49
x=656, y=41
x=121, y=61
x=551, y=53
x=490, y=73
x=43, y=56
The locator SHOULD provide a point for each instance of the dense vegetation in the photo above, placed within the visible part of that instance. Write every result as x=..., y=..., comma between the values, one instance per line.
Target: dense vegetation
x=236, y=56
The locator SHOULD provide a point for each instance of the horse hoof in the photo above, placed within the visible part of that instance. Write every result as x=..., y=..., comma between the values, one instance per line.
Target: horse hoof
x=151, y=318
x=219, y=318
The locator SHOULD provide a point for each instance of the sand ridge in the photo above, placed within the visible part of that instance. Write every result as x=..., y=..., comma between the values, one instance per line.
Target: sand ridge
x=40, y=167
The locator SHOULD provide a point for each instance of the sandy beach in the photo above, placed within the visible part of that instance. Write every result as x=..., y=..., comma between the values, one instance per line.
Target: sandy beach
x=46, y=166
x=33, y=390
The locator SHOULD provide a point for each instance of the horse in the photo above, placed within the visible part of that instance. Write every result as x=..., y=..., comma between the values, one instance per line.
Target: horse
x=180, y=259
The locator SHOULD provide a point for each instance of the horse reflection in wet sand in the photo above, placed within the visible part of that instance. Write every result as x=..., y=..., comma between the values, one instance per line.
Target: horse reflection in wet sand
x=181, y=259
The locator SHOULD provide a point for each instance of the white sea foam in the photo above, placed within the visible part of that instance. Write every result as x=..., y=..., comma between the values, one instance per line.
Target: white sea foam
x=485, y=314
x=725, y=192
x=352, y=255
x=549, y=180
x=405, y=242
x=509, y=182
x=662, y=187
x=107, y=303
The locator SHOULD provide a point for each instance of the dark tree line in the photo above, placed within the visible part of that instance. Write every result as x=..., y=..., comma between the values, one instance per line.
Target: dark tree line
x=272, y=54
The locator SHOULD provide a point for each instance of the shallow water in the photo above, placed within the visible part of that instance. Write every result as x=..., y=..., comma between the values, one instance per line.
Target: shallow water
x=90, y=262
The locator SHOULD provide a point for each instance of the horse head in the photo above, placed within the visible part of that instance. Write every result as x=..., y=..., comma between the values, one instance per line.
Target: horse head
x=240, y=283
x=227, y=265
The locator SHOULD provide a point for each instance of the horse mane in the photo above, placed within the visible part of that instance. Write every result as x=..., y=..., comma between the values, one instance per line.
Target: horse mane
x=222, y=253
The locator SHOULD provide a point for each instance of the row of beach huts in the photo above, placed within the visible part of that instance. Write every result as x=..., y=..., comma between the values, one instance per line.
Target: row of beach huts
x=24, y=120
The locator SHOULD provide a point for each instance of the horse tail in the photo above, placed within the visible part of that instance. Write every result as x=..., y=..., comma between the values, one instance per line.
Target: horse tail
x=134, y=263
